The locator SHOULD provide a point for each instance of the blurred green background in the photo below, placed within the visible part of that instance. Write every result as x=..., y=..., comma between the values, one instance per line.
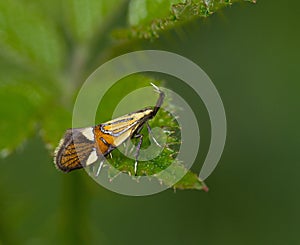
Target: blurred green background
x=251, y=52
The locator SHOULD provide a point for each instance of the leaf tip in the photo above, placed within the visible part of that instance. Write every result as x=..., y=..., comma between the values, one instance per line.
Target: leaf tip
x=205, y=188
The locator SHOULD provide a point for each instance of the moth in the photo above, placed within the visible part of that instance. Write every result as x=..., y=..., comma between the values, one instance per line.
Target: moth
x=82, y=147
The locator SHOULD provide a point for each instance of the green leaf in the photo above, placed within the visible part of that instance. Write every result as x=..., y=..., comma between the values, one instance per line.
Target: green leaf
x=167, y=157
x=19, y=118
x=148, y=18
x=27, y=37
x=23, y=96
x=190, y=181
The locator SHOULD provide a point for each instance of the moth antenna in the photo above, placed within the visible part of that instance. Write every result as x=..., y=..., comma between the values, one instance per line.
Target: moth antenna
x=160, y=99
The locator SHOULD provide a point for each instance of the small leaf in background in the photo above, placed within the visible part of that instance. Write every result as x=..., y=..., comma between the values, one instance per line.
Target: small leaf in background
x=144, y=11
x=148, y=18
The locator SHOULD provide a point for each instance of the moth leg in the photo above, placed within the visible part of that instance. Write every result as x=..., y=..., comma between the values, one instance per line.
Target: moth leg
x=151, y=134
x=138, y=148
x=99, y=168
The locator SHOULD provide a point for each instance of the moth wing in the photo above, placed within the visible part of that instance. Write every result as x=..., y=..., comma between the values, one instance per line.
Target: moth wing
x=75, y=150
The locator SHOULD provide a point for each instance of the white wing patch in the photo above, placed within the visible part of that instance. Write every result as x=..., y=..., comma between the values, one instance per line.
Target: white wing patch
x=88, y=133
x=93, y=157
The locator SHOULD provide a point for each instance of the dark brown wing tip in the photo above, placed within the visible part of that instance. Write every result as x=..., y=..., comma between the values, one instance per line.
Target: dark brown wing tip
x=57, y=157
x=59, y=151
